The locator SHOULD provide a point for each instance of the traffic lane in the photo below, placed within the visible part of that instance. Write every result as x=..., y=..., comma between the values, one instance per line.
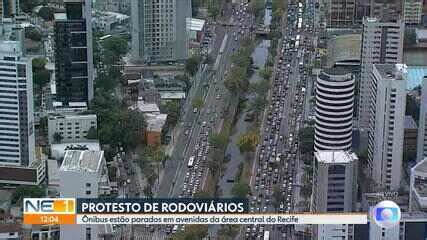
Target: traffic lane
x=210, y=99
x=174, y=164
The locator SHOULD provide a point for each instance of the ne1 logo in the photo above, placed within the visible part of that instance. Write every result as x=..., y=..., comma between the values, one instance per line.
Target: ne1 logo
x=49, y=205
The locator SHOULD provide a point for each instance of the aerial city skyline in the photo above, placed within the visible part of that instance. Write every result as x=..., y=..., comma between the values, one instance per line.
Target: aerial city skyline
x=298, y=106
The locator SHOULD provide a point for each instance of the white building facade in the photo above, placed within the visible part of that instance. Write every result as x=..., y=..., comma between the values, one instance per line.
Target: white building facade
x=386, y=126
x=83, y=174
x=160, y=30
x=334, y=110
x=334, y=190
x=422, y=124
x=72, y=128
x=382, y=42
x=413, y=11
x=17, y=140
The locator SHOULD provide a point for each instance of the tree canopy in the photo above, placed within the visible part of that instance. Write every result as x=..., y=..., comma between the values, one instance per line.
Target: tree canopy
x=240, y=190
x=27, y=192
x=117, y=123
x=192, y=64
x=33, y=34
x=248, y=142
x=192, y=232
x=47, y=13
x=41, y=76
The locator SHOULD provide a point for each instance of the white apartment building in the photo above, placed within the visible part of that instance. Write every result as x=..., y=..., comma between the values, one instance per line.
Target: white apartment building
x=334, y=110
x=160, y=30
x=83, y=174
x=382, y=42
x=17, y=141
x=386, y=126
x=413, y=11
x=422, y=124
x=334, y=190
x=72, y=128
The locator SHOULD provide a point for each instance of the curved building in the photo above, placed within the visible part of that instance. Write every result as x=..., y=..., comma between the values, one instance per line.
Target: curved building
x=334, y=110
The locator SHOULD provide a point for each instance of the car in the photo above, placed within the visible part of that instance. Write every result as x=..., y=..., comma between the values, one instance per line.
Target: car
x=195, y=110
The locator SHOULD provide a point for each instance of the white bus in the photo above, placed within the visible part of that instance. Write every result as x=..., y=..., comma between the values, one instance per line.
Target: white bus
x=266, y=235
x=191, y=162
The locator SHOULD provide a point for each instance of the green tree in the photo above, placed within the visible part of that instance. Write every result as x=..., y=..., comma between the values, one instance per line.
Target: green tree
x=192, y=64
x=306, y=138
x=22, y=192
x=47, y=13
x=410, y=37
x=57, y=137
x=116, y=123
x=257, y=8
x=28, y=5
x=213, y=11
x=39, y=63
x=33, y=34
x=116, y=44
x=192, y=232
x=218, y=140
x=240, y=190
x=248, y=142
x=198, y=102
x=173, y=110
x=412, y=107
x=195, y=4
x=92, y=133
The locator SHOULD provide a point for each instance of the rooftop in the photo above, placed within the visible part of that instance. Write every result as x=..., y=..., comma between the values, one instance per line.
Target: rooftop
x=60, y=16
x=82, y=161
x=196, y=24
x=391, y=71
x=415, y=76
x=10, y=227
x=146, y=107
x=155, y=122
x=344, y=49
x=335, y=156
x=18, y=174
x=172, y=95
x=420, y=168
x=336, y=71
x=421, y=33
x=410, y=122
x=58, y=150
x=72, y=116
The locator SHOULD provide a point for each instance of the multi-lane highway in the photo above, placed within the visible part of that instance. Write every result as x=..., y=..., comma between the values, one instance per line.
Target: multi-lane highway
x=275, y=166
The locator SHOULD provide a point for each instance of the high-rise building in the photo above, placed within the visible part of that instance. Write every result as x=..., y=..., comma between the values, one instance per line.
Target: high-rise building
x=422, y=124
x=382, y=42
x=334, y=109
x=334, y=189
x=160, y=30
x=74, y=53
x=83, y=174
x=418, y=187
x=17, y=141
x=413, y=11
x=386, y=10
x=8, y=8
x=386, y=125
x=340, y=13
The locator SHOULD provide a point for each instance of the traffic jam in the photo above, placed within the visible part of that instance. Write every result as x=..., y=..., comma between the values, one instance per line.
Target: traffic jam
x=273, y=186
